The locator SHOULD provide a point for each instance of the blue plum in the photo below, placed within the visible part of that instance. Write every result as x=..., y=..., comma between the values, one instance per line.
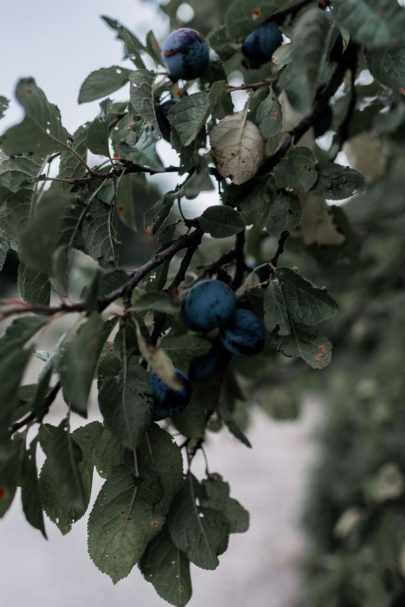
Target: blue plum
x=169, y=402
x=259, y=46
x=185, y=54
x=209, y=304
x=161, y=115
x=244, y=335
x=207, y=365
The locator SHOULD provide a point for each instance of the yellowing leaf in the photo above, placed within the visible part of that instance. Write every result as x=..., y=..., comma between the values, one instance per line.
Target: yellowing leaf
x=237, y=147
x=159, y=361
x=317, y=226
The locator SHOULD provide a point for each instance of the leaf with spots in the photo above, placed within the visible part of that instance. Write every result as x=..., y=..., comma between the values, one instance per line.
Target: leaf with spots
x=242, y=18
x=201, y=533
x=141, y=96
x=55, y=493
x=336, y=182
x=297, y=170
x=41, y=131
x=237, y=147
x=306, y=303
x=123, y=521
x=314, y=349
x=103, y=82
x=168, y=569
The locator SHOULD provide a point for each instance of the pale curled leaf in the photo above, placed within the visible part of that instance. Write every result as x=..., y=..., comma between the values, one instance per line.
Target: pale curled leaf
x=237, y=147
x=159, y=361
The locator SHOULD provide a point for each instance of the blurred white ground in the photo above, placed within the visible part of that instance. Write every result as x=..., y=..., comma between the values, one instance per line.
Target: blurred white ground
x=259, y=568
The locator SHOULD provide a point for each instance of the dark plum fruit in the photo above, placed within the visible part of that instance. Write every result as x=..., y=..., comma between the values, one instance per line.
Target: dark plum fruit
x=244, y=335
x=209, y=304
x=259, y=46
x=185, y=54
x=209, y=364
x=169, y=402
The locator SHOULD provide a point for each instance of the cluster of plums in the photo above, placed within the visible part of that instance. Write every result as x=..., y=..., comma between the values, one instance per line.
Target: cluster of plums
x=210, y=304
x=186, y=56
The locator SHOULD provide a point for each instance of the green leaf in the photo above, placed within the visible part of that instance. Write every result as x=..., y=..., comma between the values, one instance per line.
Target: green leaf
x=123, y=522
x=306, y=303
x=3, y=105
x=15, y=213
x=34, y=286
x=125, y=204
x=19, y=171
x=284, y=214
x=41, y=131
x=275, y=308
x=30, y=495
x=55, y=492
x=10, y=473
x=242, y=18
x=217, y=497
x=99, y=234
x=98, y=131
x=231, y=423
x=126, y=404
x=4, y=247
x=168, y=569
x=202, y=533
x=78, y=360
x=309, y=67
x=160, y=454
x=153, y=48
x=109, y=453
x=191, y=421
x=133, y=47
x=374, y=23
x=336, y=182
x=63, y=458
x=144, y=152
x=188, y=116
x=220, y=221
x=181, y=348
x=388, y=66
x=297, y=170
x=40, y=239
x=103, y=82
x=13, y=360
x=155, y=301
x=141, y=96
x=70, y=167
x=269, y=116
x=315, y=350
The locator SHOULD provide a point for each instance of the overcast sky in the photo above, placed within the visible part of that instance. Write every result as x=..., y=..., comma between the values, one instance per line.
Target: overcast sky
x=60, y=43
